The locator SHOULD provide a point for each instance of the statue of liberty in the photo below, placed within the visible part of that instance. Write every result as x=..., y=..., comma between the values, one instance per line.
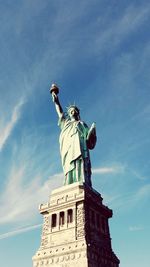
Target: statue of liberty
x=76, y=138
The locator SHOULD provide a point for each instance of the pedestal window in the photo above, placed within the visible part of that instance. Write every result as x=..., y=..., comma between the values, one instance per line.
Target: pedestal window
x=54, y=219
x=70, y=216
x=61, y=218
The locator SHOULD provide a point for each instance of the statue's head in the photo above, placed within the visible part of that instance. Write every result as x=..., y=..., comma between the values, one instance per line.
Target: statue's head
x=73, y=112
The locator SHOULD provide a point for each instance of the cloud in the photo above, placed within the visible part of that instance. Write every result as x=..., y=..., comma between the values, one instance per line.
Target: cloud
x=29, y=177
x=121, y=27
x=24, y=199
x=130, y=199
x=8, y=127
x=135, y=228
x=121, y=187
x=20, y=231
x=107, y=170
x=143, y=192
x=143, y=114
x=138, y=175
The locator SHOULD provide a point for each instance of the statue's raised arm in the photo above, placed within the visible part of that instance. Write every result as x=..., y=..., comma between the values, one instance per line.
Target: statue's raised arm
x=54, y=90
x=76, y=138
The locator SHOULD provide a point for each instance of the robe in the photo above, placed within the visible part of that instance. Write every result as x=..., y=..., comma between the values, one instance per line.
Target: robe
x=74, y=151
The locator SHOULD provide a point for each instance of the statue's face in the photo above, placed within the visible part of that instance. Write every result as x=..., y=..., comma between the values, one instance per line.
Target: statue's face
x=73, y=113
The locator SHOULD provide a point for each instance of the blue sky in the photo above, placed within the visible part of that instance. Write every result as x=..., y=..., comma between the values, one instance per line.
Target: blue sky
x=98, y=52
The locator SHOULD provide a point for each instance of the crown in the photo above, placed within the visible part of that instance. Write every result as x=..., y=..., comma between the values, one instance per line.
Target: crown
x=73, y=106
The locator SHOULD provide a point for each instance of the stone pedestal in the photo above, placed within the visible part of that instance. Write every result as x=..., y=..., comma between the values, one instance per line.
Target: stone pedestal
x=75, y=230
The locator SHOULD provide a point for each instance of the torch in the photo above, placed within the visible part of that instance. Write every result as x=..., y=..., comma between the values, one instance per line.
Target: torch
x=54, y=89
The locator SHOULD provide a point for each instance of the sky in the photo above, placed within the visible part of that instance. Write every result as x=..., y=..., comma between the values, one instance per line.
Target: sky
x=98, y=52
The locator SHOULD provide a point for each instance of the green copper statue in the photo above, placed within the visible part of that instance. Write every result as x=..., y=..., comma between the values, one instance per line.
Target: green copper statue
x=76, y=138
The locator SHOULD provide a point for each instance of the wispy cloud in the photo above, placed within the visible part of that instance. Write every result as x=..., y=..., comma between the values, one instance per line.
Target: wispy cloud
x=24, y=199
x=121, y=27
x=121, y=187
x=107, y=170
x=135, y=228
x=143, y=115
x=20, y=231
x=7, y=127
x=143, y=192
x=129, y=200
x=138, y=175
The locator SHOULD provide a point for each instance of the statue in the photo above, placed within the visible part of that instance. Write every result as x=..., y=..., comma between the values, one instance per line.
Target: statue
x=76, y=138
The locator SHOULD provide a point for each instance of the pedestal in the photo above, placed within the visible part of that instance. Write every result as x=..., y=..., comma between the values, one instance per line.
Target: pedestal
x=75, y=230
